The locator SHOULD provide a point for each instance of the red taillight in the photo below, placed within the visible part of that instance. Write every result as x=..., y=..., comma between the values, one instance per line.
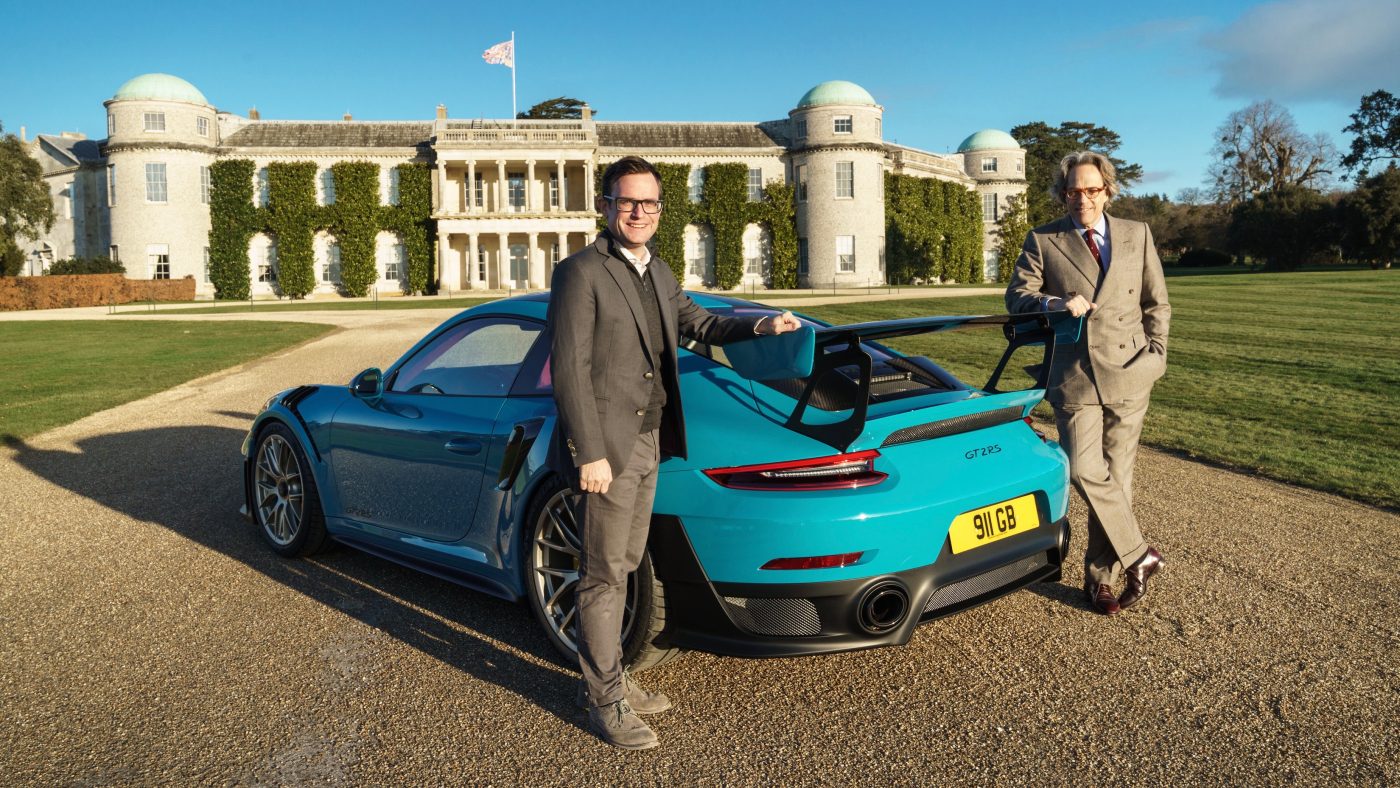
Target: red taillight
x=1031, y=424
x=814, y=562
x=839, y=472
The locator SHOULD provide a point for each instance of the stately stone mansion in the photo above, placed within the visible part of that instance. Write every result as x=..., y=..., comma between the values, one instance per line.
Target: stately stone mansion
x=510, y=199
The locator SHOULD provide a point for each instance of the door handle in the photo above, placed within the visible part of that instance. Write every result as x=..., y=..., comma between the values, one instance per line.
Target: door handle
x=466, y=446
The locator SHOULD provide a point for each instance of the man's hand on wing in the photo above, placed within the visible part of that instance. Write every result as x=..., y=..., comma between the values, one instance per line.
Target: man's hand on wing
x=594, y=477
x=1076, y=304
x=779, y=325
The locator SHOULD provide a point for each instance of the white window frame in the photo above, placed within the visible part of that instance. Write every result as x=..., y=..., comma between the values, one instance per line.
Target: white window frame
x=113, y=253
x=205, y=184
x=479, y=189
x=554, y=190
x=389, y=185
x=206, y=264
x=111, y=124
x=802, y=129
x=153, y=122
x=111, y=185
x=266, y=264
x=843, y=124
x=699, y=251
x=201, y=126
x=990, y=207
x=330, y=272
x=157, y=188
x=158, y=261
x=989, y=164
x=846, y=254
x=846, y=180
x=755, y=184
x=325, y=187
x=695, y=184
x=262, y=187
x=395, y=264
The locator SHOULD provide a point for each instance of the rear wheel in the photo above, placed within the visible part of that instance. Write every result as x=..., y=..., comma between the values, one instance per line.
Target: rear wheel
x=286, y=505
x=551, y=567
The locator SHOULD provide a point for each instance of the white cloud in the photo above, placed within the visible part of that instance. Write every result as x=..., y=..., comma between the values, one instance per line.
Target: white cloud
x=1331, y=50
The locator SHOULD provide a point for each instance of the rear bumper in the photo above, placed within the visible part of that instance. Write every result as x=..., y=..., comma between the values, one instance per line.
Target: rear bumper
x=793, y=619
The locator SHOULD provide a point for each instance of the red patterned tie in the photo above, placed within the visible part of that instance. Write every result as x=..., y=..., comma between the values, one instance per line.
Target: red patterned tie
x=1093, y=247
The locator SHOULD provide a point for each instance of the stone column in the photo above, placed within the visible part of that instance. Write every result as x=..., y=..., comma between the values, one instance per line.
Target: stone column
x=536, y=257
x=449, y=276
x=471, y=189
x=500, y=185
x=563, y=195
x=529, y=186
x=588, y=186
x=473, y=277
x=503, y=279
x=439, y=200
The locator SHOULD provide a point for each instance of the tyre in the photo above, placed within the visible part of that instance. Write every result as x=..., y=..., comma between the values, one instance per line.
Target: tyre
x=551, y=578
x=286, y=505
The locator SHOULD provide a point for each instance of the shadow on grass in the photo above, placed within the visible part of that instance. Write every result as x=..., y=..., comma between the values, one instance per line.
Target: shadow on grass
x=188, y=479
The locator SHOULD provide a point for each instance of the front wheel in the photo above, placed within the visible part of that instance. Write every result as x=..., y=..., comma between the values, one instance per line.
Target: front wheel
x=286, y=505
x=551, y=566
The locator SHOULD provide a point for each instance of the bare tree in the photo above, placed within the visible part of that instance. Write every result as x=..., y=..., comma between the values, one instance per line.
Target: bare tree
x=1260, y=149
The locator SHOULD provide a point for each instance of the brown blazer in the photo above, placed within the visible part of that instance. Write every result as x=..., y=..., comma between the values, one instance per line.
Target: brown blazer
x=1122, y=350
x=601, y=355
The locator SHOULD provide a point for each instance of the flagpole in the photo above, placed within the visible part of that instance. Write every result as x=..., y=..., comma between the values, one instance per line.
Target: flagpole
x=513, y=58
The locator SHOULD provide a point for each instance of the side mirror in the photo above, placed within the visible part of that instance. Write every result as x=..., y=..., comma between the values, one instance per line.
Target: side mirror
x=368, y=384
x=777, y=357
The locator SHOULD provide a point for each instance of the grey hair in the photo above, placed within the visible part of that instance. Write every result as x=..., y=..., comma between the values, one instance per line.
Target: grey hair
x=1102, y=162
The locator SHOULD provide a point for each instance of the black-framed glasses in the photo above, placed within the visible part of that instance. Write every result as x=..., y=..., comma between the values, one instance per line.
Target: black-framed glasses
x=1089, y=191
x=626, y=204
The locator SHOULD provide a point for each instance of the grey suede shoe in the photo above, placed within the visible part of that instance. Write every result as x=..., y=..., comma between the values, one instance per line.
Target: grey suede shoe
x=641, y=701
x=617, y=725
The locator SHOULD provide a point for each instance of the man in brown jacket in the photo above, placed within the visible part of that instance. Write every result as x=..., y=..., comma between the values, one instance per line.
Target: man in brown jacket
x=1093, y=264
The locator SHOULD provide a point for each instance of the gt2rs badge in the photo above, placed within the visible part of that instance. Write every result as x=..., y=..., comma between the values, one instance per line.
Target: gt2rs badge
x=985, y=451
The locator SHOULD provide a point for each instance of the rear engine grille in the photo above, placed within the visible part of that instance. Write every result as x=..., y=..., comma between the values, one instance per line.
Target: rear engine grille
x=780, y=617
x=953, y=426
x=988, y=581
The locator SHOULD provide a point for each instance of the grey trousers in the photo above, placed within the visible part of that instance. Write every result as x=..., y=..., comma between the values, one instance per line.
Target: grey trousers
x=1102, y=442
x=614, y=537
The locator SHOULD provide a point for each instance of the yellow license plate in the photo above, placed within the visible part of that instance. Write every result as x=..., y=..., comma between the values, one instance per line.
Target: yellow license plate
x=990, y=523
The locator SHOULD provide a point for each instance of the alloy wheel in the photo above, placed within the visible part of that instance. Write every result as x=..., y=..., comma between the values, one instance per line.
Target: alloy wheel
x=277, y=487
x=555, y=547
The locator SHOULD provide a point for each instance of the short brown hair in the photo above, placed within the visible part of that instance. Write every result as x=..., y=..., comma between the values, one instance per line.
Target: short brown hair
x=1102, y=162
x=628, y=165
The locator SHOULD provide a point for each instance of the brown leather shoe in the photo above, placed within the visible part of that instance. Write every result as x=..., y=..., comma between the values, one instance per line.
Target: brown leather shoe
x=1101, y=597
x=1137, y=576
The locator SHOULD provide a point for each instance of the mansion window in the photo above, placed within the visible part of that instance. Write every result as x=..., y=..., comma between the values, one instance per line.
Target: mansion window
x=802, y=183
x=480, y=252
x=845, y=179
x=696, y=183
x=204, y=184
x=757, y=250
x=155, y=182
x=389, y=186
x=519, y=262
x=267, y=262
x=154, y=121
x=112, y=253
x=111, y=185
x=699, y=252
x=802, y=129
x=480, y=197
x=846, y=253
x=801, y=256
x=880, y=247
x=327, y=184
x=393, y=268
x=330, y=274
x=262, y=192
x=1020, y=166
x=843, y=124
x=206, y=264
x=201, y=126
x=554, y=190
x=989, y=164
x=515, y=186
x=755, y=185
x=554, y=254
x=158, y=260
x=989, y=207
x=111, y=124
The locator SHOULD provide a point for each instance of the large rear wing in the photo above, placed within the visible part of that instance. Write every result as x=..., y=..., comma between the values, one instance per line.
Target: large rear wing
x=813, y=354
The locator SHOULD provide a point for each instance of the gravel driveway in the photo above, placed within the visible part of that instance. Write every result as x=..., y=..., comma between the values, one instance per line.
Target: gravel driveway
x=148, y=637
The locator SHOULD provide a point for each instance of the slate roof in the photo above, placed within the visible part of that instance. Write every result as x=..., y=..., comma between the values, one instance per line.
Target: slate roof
x=77, y=150
x=330, y=134
x=693, y=135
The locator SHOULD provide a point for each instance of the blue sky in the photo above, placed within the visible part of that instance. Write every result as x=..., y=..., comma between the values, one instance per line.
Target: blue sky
x=1163, y=75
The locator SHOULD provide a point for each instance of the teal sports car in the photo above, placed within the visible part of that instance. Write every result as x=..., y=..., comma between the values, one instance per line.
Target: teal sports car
x=836, y=495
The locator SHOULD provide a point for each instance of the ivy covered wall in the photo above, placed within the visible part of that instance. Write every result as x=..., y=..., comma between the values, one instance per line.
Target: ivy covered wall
x=933, y=230
x=293, y=219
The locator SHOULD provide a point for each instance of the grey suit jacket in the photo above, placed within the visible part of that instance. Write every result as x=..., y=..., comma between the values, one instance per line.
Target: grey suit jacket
x=601, y=362
x=1123, y=348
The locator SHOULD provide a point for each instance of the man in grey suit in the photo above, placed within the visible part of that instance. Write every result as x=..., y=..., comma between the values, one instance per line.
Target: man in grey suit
x=1091, y=263
x=616, y=316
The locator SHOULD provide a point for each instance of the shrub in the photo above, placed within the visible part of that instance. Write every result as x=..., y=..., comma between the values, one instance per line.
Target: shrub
x=87, y=265
x=1203, y=258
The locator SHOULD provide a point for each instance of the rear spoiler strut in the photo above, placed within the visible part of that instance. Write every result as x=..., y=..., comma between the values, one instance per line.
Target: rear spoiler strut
x=819, y=352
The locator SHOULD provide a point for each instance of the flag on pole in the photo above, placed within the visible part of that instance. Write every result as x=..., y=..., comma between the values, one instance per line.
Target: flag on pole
x=502, y=54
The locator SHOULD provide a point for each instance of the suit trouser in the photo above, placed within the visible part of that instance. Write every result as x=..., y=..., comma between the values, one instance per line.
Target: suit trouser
x=1102, y=442
x=614, y=537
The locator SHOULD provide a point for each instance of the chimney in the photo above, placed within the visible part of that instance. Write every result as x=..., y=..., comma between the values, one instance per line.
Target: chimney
x=586, y=112
x=347, y=116
x=253, y=114
x=21, y=134
x=442, y=112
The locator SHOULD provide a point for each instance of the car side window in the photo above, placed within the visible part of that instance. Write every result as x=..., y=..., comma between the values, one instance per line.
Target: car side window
x=479, y=358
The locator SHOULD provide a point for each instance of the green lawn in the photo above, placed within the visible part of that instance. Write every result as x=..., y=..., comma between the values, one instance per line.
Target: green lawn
x=1294, y=376
x=60, y=371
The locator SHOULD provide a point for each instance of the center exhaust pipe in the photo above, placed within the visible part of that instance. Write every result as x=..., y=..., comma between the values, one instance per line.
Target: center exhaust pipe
x=883, y=607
